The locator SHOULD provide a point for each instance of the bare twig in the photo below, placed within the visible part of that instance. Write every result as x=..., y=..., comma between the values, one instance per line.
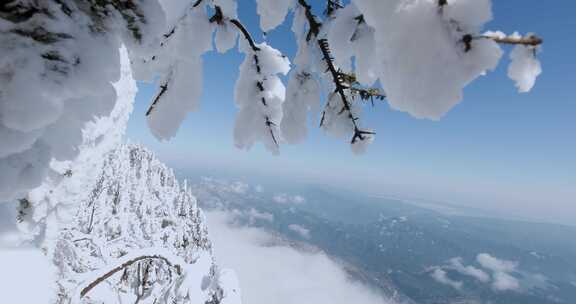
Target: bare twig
x=530, y=40
x=90, y=225
x=467, y=38
x=123, y=266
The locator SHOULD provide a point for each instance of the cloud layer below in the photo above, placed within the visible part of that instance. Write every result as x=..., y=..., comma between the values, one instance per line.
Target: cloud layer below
x=505, y=275
x=270, y=272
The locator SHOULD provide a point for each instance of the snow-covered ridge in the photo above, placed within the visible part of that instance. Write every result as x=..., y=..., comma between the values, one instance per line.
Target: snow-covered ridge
x=143, y=236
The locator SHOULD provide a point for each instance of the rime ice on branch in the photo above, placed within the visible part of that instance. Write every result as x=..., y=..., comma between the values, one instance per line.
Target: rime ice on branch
x=58, y=62
x=420, y=55
x=259, y=93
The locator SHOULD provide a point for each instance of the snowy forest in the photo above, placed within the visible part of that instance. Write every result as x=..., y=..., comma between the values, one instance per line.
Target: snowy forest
x=115, y=222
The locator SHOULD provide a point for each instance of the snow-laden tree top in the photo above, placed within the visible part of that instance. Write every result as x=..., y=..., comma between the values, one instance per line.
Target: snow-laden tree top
x=138, y=237
x=59, y=58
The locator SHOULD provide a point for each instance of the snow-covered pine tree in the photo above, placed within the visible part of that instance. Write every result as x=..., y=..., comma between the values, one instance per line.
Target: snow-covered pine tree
x=139, y=238
x=416, y=55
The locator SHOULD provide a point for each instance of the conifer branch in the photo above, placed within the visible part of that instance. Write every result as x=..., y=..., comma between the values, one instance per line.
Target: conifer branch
x=332, y=6
x=367, y=94
x=163, y=90
x=337, y=76
x=314, y=25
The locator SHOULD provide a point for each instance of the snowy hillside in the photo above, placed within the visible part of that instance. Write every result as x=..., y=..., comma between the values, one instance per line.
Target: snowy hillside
x=139, y=237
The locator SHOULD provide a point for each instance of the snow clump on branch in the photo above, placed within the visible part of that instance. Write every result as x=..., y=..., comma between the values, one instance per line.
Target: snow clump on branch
x=422, y=53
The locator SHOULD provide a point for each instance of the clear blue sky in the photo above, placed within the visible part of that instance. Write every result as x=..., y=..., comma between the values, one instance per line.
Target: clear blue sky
x=497, y=150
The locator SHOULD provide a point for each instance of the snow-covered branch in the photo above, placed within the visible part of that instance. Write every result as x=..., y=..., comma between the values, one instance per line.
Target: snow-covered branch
x=259, y=108
x=268, y=122
x=163, y=90
x=359, y=134
x=126, y=264
x=82, y=59
x=68, y=51
x=332, y=6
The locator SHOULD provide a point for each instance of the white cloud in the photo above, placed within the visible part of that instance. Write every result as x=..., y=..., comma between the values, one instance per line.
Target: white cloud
x=478, y=274
x=283, y=198
x=298, y=199
x=501, y=272
x=489, y=262
x=534, y=280
x=442, y=277
x=504, y=281
x=270, y=272
x=498, y=273
x=257, y=215
x=303, y=232
x=239, y=187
